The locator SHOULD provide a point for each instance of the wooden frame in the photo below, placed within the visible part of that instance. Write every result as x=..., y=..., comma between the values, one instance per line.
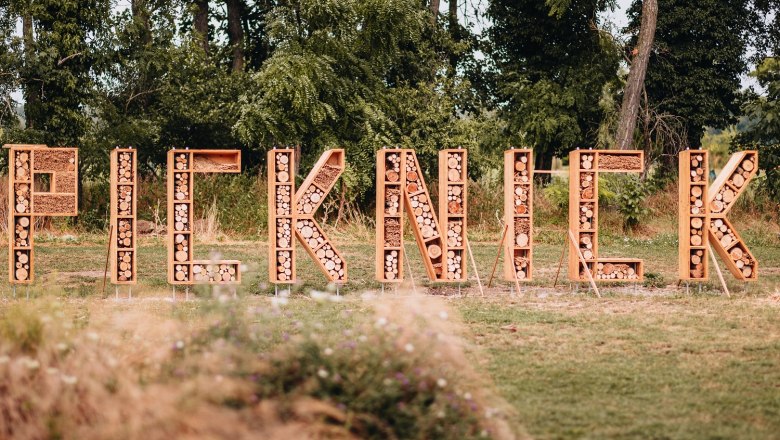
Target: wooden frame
x=399, y=176
x=518, y=214
x=584, y=169
x=183, y=269
x=124, y=206
x=693, y=257
x=308, y=199
x=390, y=184
x=281, y=199
x=26, y=162
x=453, y=213
x=723, y=193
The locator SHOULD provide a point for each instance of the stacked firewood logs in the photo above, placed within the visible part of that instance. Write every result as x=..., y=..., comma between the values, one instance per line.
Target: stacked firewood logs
x=282, y=232
x=455, y=233
x=423, y=215
x=310, y=233
x=586, y=246
x=454, y=199
x=214, y=273
x=518, y=202
x=309, y=200
x=124, y=233
x=284, y=265
x=22, y=264
x=616, y=271
x=587, y=214
x=392, y=200
x=21, y=211
x=729, y=240
x=726, y=196
x=284, y=238
x=331, y=261
x=22, y=232
x=124, y=266
x=391, y=265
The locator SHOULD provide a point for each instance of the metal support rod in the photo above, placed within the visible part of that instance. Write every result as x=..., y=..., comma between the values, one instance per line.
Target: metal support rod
x=498, y=254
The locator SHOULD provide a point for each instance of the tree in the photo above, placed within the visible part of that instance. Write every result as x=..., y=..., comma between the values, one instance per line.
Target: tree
x=200, y=23
x=236, y=33
x=553, y=65
x=636, y=76
x=763, y=131
x=694, y=72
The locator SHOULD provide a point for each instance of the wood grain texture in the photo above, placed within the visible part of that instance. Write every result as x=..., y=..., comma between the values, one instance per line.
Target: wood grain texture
x=519, y=214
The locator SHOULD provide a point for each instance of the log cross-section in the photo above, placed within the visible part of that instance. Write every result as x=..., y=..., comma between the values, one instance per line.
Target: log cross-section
x=124, y=196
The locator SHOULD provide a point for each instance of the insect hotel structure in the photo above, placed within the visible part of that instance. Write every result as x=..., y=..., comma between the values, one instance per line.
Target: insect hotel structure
x=281, y=193
x=728, y=186
x=585, y=166
x=518, y=214
x=291, y=215
x=453, y=174
x=183, y=165
x=401, y=188
x=123, y=216
x=694, y=215
x=42, y=182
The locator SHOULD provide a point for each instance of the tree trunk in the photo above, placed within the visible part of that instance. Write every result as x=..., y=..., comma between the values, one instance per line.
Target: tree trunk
x=236, y=33
x=140, y=12
x=543, y=161
x=454, y=34
x=434, y=6
x=32, y=93
x=636, y=76
x=200, y=23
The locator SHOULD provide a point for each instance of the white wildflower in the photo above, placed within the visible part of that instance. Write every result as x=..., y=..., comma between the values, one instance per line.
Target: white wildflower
x=4, y=359
x=92, y=336
x=442, y=382
x=467, y=396
x=62, y=346
x=179, y=344
x=52, y=370
x=70, y=380
x=443, y=314
x=328, y=351
x=381, y=322
x=409, y=348
x=323, y=373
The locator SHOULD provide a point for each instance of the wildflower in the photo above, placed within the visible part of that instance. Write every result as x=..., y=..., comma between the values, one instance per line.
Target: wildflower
x=328, y=351
x=483, y=433
x=441, y=382
x=322, y=373
x=4, y=359
x=443, y=315
x=318, y=295
x=92, y=336
x=31, y=364
x=52, y=370
x=381, y=322
x=362, y=338
x=179, y=345
x=70, y=380
x=279, y=301
x=387, y=382
x=440, y=414
x=467, y=396
x=45, y=319
x=409, y=348
x=62, y=346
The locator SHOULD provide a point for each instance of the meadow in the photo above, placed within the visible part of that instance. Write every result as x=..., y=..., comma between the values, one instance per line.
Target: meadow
x=652, y=360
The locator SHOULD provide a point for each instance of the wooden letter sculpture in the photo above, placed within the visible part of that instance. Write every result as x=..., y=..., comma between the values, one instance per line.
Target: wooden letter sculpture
x=294, y=210
x=723, y=193
x=584, y=169
x=182, y=167
x=694, y=217
x=123, y=216
x=453, y=173
x=26, y=201
x=518, y=214
x=400, y=187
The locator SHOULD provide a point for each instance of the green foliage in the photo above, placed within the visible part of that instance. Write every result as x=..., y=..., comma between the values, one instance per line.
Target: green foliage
x=21, y=328
x=552, y=67
x=763, y=133
x=695, y=68
x=631, y=199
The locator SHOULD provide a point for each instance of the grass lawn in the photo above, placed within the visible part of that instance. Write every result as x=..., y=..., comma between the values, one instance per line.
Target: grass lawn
x=641, y=362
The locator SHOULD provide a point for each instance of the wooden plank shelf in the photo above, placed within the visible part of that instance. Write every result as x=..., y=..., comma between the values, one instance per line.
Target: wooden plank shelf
x=732, y=181
x=453, y=208
x=518, y=214
x=25, y=204
x=183, y=269
x=584, y=169
x=123, y=187
x=281, y=195
x=693, y=256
